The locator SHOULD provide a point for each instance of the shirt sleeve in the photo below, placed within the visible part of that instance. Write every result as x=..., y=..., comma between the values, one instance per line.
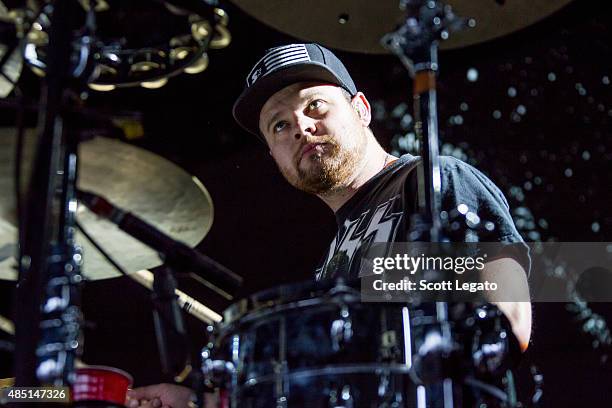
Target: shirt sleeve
x=463, y=184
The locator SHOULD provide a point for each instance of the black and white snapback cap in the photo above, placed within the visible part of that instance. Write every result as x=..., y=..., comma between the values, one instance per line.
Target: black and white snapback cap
x=281, y=67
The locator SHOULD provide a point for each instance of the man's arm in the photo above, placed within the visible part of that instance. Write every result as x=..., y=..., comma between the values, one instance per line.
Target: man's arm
x=463, y=184
x=512, y=284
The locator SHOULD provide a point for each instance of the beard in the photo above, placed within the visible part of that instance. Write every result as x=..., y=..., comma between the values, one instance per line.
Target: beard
x=329, y=170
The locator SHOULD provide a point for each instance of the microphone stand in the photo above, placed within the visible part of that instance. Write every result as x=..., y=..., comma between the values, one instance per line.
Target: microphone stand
x=172, y=340
x=170, y=331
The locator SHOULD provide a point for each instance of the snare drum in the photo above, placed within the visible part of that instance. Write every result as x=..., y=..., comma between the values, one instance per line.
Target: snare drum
x=317, y=345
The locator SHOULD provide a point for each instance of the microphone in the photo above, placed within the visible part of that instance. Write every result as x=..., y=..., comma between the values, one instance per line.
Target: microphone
x=176, y=253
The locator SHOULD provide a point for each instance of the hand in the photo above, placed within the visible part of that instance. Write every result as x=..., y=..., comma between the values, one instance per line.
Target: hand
x=160, y=396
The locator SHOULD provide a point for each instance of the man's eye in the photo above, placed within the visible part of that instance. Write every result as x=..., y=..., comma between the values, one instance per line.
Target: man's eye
x=316, y=104
x=279, y=126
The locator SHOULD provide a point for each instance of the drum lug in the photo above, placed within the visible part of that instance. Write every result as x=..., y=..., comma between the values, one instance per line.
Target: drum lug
x=491, y=343
x=217, y=373
x=341, y=397
x=341, y=330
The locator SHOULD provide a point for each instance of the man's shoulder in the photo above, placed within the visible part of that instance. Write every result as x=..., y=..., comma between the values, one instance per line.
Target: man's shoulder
x=452, y=161
x=404, y=164
x=454, y=164
x=455, y=169
x=450, y=167
x=462, y=179
x=446, y=162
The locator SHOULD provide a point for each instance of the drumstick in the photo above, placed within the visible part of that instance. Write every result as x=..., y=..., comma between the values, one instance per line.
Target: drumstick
x=186, y=302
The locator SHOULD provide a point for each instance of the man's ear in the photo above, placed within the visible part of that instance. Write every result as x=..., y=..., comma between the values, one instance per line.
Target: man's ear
x=362, y=106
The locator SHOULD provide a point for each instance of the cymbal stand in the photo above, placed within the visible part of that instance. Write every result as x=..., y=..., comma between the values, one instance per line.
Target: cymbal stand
x=415, y=42
x=48, y=332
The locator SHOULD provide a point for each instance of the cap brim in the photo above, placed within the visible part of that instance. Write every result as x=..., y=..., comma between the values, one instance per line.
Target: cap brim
x=248, y=105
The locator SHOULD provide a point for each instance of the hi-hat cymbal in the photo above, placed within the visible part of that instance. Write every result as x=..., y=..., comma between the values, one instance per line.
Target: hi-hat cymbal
x=358, y=25
x=131, y=178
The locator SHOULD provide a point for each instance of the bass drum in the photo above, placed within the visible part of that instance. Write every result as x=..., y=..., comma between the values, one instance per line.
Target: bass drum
x=317, y=345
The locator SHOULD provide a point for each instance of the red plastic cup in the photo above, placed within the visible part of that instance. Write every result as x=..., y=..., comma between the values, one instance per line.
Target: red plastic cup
x=100, y=383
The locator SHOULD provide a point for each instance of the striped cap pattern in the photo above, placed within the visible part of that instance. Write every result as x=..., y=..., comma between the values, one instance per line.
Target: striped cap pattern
x=277, y=58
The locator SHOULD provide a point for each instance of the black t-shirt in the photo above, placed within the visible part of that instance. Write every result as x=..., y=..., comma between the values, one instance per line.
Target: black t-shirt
x=380, y=212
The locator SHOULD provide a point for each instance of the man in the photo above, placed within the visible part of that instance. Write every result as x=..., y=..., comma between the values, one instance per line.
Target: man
x=302, y=102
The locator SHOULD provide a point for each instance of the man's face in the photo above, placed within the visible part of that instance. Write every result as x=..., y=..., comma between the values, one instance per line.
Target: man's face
x=315, y=135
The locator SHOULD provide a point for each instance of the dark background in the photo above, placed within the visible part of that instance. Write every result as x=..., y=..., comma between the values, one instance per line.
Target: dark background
x=548, y=147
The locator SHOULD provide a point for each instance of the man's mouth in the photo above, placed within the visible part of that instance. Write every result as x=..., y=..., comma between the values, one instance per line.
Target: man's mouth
x=311, y=148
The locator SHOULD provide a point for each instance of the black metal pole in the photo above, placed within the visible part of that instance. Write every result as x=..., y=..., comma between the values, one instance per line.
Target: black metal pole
x=40, y=218
x=416, y=44
x=172, y=339
x=426, y=128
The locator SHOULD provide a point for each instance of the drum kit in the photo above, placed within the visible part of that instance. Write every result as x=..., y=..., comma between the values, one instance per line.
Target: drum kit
x=310, y=344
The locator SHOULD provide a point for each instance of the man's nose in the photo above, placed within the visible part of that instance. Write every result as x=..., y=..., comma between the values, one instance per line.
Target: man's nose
x=305, y=126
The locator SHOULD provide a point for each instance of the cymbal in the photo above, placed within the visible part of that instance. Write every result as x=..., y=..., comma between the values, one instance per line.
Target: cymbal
x=358, y=25
x=132, y=178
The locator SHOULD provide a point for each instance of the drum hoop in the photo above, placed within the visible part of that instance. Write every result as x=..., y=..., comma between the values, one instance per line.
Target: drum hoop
x=339, y=293
x=267, y=313
x=374, y=368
